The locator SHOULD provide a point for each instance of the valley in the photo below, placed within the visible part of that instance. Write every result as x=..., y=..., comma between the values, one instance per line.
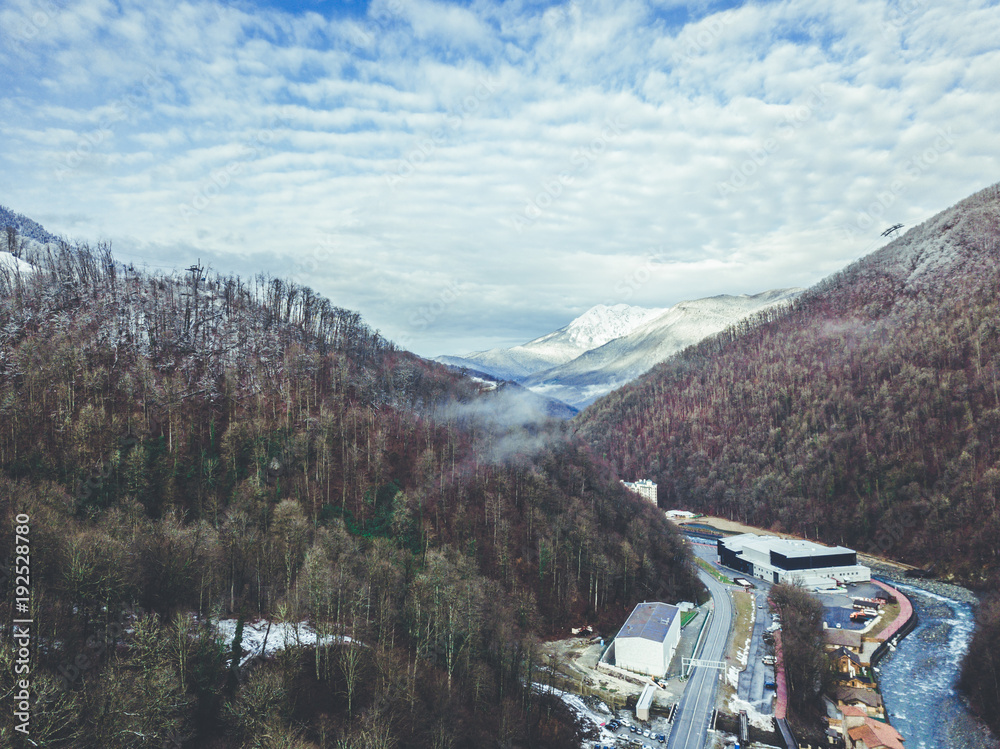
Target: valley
x=438, y=374
x=207, y=460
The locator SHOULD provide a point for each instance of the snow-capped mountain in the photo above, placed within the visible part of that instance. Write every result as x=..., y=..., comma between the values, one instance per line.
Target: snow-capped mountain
x=593, y=328
x=602, y=369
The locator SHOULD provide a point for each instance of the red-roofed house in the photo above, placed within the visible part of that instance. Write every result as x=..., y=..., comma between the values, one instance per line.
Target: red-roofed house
x=873, y=735
x=866, y=699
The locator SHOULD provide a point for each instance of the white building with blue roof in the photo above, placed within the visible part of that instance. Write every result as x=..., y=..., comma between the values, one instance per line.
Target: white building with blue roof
x=648, y=638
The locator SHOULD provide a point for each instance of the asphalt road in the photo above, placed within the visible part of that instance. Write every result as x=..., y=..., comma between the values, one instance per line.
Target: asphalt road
x=752, y=678
x=751, y=681
x=694, y=712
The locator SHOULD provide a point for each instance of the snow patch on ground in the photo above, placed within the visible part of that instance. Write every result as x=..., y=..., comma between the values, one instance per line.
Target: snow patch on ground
x=485, y=384
x=267, y=638
x=9, y=261
x=757, y=719
x=733, y=677
x=583, y=711
x=743, y=653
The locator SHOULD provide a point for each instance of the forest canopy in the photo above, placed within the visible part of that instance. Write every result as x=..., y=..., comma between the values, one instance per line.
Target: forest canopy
x=196, y=447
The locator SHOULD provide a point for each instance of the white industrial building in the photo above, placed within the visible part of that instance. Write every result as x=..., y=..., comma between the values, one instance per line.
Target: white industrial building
x=782, y=560
x=643, y=487
x=648, y=638
x=681, y=515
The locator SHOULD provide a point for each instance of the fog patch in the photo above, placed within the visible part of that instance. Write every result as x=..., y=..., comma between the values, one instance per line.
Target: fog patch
x=507, y=422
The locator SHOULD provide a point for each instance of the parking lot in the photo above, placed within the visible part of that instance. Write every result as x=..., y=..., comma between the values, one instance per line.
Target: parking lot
x=622, y=732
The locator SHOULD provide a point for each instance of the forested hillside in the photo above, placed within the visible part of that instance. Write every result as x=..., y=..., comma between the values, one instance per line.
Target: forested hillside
x=194, y=447
x=867, y=414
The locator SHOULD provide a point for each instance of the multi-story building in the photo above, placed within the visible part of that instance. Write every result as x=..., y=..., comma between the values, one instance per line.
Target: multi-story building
x=782, y=560
x=644, y=488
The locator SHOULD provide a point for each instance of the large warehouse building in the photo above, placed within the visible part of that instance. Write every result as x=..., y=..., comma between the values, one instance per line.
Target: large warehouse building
x=782, y=560
x=648, y=639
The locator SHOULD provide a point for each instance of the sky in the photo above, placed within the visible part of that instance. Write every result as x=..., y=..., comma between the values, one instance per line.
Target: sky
x=476, y=174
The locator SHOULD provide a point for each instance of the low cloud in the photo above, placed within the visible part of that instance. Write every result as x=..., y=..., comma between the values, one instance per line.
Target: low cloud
x=506, y=422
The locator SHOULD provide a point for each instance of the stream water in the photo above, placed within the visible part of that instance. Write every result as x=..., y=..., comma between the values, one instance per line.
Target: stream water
x=918, y=679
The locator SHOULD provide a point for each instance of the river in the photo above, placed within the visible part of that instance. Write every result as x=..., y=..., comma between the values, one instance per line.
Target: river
x=918, y=679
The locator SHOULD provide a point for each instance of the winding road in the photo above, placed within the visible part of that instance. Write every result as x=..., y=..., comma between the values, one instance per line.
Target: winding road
x=694, y=712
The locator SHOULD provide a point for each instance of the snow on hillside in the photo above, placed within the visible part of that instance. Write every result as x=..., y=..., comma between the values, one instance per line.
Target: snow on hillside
x=593, y=328
x=264, y=638
x=25, y=226
x=9, y=261
x=605, y=368
x=932, y=250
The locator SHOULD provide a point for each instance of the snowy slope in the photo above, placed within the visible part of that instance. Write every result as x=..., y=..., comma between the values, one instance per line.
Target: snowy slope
x=593, y=328
x=599, y=371
x=9, y=261
x=25, y=227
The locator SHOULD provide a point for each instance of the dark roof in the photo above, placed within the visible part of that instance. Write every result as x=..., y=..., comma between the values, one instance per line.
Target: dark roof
x=856, y=694
x=843, y=637
x=840, y=652
x=649, y=621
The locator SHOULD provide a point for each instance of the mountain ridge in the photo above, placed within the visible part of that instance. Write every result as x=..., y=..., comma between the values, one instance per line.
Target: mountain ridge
x=608, y=346
x=600, y=370
x=596, y=326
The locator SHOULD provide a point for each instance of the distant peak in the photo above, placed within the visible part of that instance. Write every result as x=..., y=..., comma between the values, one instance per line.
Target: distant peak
x=602, y=323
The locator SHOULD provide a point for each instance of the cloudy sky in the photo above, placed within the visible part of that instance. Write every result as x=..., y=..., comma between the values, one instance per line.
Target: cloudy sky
x=476, y=174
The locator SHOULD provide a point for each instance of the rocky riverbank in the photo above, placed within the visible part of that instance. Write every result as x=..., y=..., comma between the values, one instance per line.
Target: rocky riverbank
x=918, y=679
x=898, y=575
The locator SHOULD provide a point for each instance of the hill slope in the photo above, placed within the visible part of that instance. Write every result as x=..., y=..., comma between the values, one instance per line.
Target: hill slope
x=868, y=413
x=24, y=227
x=201, y=446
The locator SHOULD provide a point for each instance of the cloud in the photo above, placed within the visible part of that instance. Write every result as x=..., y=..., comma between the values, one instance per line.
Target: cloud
x=392, y=155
